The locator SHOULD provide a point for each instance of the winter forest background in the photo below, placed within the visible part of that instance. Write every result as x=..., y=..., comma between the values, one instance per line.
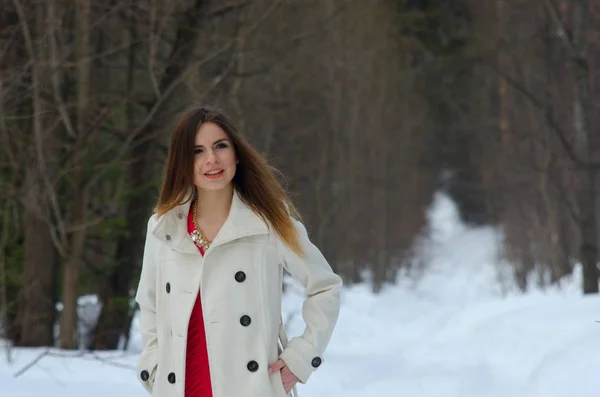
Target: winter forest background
x=371, y=109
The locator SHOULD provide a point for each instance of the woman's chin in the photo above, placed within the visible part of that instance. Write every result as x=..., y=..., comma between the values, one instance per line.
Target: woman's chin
x=215, y=185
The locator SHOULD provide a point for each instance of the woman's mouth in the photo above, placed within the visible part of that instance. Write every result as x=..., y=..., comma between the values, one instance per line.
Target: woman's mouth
x=214, y=174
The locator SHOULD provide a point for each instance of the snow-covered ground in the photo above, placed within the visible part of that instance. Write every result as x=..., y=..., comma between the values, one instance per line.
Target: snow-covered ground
x=457, y=329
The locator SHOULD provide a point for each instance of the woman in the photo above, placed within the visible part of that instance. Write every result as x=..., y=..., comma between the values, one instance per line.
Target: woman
x=210, y=287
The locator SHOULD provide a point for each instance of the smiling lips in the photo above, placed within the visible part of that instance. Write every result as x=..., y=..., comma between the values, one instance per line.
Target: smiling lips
x=214, y=174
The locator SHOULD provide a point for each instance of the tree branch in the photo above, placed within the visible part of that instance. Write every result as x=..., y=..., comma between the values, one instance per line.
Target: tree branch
x=563, y=33
x=538, y=104
x=223, y=9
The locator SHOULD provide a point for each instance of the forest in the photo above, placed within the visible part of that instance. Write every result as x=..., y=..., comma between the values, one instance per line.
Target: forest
x=365, y=107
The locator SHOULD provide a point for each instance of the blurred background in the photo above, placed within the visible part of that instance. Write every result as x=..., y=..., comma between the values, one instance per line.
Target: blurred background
x=421, y=140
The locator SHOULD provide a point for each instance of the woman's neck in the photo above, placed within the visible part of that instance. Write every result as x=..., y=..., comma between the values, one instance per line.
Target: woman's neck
x=214, y=205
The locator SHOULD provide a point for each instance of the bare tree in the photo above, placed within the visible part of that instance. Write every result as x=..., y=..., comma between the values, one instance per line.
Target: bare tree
x=69, y=323
x=36, y=304
x=577, y=46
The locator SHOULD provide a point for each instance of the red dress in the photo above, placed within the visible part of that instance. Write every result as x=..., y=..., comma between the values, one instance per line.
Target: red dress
x=197, y=371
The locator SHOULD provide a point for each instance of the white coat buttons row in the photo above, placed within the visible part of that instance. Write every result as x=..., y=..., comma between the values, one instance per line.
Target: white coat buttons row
x=245, y=320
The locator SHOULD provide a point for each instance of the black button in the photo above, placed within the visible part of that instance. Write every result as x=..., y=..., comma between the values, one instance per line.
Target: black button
x=168, y=237
x=171, y=378
x=316, y=362
x=145, y=375
x=245, y=320
x=252, y=366
x=168, y=288
x=240, y=277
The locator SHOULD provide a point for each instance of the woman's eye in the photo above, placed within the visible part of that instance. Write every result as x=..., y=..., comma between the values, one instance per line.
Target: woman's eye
x=221, y=145
x=198, y=150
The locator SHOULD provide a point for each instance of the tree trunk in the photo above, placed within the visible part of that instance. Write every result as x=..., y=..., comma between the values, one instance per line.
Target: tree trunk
x=114, y=292
x=586, y=191
x=68, y=326
x=36, y=311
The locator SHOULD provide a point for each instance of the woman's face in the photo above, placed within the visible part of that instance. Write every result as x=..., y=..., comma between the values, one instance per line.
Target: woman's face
x=214, y=158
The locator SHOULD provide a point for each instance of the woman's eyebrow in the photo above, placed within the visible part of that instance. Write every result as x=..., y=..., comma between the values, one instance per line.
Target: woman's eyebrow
x=215, y=142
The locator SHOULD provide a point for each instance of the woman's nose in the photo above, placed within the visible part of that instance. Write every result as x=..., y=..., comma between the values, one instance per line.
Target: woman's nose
x=211, y=157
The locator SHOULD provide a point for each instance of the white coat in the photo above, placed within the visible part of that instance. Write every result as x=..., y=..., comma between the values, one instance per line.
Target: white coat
x=239, y=275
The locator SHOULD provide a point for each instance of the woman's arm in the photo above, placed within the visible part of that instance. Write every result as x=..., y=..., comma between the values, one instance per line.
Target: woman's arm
x=320, y=309
x=146, y=298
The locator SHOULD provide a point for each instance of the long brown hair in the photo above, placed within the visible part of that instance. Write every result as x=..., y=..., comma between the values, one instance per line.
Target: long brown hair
x=254, y=178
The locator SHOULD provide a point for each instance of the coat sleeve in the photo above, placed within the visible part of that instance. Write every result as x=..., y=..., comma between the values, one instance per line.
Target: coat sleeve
x=146, y=298
x=320, y=309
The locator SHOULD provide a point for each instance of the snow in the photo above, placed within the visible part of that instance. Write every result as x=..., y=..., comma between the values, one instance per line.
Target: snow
x=457, y=328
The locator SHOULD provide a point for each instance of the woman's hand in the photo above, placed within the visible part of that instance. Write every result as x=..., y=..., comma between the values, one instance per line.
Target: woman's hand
x=287, y=377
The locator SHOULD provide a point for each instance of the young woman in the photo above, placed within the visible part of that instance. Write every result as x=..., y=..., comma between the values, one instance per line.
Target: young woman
x=210, y=288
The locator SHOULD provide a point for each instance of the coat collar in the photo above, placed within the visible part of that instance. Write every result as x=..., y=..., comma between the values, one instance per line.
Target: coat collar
x=242, y=221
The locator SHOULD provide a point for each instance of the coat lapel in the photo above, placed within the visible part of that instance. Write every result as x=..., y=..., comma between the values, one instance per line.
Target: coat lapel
x=242, y=221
